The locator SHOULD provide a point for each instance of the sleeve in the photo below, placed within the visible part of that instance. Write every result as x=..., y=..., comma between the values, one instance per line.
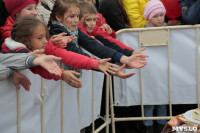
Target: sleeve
x=113, y=45
x=190, y=11
x=72, y=47
x=134, y=12
x=4, y=72
x=17, y=61
x=96, y=48
x=72, y=59
x=109, y=39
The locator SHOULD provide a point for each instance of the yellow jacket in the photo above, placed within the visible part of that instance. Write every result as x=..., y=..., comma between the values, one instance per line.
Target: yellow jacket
x=135, y=10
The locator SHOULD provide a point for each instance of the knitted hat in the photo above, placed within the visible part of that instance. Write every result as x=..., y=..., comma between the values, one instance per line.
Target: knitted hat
x=152, y=8
x=14, y=6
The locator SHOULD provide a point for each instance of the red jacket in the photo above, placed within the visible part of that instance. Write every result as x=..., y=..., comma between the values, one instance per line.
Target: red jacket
x=108, y=41
x=101, y=20
x=5, y=30
x=69, y=58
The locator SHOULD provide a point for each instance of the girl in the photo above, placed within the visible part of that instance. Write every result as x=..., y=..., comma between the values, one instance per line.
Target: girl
x=23, y=8
x=101, y=21
x=29, y=34
x=154, y=12
x=88, y=15
x=65, y=18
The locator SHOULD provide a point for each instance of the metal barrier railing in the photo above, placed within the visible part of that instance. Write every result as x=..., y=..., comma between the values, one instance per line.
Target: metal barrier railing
x=141, y=44
x=109, y=94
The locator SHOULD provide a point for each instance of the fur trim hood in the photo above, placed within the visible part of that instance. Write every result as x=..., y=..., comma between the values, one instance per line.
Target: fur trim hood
x=13, y=45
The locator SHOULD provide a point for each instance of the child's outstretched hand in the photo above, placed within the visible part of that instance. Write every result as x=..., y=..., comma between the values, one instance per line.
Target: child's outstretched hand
x=61, y=40
x=19, y=79
x=136, y=61
x=70, y=78
x=106, y=67
x=120, y=73
x=139, y=51
x=48, y=63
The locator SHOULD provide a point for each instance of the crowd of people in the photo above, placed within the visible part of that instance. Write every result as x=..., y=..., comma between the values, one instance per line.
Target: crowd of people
x=74, y=25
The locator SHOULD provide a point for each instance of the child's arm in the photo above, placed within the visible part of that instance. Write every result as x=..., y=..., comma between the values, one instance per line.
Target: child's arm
x=95, y=47
x=72, y=59
x=108, y=43
x=88, y=43
x=134, y=61
x=16, y=77
x=61, y=40
x=98, y=32
x=19, y=79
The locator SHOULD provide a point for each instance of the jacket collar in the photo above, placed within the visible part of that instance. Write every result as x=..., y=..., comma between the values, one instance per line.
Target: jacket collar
x=13, y=45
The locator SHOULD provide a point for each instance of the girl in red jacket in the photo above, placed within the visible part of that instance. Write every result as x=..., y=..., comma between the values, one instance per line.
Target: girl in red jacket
x=23, y=8
x=87, y=24
x=101, y=21
x=29, y=34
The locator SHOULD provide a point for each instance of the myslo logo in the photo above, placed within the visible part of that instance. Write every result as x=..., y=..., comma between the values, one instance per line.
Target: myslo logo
x=184, y=128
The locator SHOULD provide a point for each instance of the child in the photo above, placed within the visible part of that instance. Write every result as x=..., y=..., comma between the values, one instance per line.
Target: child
x=65, y=18
x=30, y=34
x=87, y=24
x=101, y=21
x=155, y=13
x=11, y=62
x=24, y=8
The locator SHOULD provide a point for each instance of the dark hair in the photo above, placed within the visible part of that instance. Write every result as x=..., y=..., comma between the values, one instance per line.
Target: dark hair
x=3, y=13
x=126, y=19
x=86, y=7
x=23, y=29
x=60, y=7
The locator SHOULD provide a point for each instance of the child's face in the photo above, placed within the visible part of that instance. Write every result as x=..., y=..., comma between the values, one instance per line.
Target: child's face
x=71, y=18
x=88, y=21
x=89, y=1
x=38, y=38
x=158, y=19
x=28, y=11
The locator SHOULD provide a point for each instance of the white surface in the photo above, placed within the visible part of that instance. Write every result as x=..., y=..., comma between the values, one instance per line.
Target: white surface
x=155, y=74
x=31, y=105
x=188, y=115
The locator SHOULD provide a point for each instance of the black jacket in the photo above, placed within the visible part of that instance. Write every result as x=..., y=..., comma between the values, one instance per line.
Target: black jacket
x=190, y=10
x=88, y=43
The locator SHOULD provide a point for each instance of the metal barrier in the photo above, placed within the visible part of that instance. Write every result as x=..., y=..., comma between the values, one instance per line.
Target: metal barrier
x=144, y=40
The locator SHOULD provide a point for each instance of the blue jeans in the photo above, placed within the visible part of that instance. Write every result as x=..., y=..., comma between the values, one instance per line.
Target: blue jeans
x=148, y=112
